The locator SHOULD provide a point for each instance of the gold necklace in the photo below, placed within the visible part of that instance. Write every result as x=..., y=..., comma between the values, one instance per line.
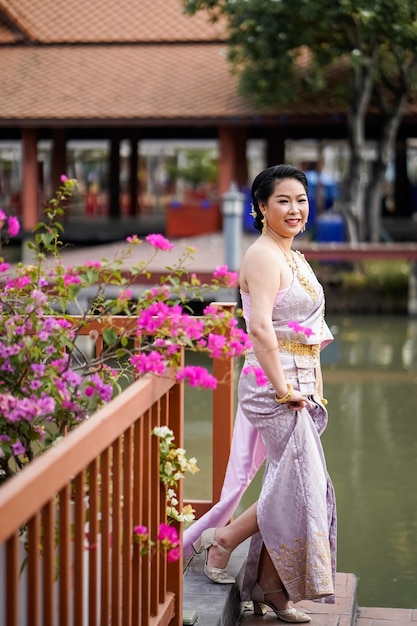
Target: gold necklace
x=293, y=264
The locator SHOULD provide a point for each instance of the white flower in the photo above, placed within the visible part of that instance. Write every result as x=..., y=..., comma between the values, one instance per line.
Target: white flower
x=163, y=432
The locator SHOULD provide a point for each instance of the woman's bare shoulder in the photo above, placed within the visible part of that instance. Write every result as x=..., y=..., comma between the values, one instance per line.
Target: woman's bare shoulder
x=261, y=249
x=260, y=259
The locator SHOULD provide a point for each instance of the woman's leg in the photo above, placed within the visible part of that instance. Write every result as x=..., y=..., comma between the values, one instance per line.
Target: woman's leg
x=232, y=535
x=268, y=580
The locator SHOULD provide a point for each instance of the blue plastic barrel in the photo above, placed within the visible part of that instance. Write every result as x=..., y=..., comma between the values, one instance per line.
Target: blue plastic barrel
x=330, y=227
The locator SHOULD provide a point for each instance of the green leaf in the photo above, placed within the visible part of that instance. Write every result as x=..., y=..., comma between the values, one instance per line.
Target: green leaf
x=109, y=336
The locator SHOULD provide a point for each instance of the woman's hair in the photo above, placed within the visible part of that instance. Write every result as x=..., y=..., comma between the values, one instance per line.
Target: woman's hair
x=264, y=184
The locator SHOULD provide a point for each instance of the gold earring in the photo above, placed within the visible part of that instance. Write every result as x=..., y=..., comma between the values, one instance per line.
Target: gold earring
x=264, y=224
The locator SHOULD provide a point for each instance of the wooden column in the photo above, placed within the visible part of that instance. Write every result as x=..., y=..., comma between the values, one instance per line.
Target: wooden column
x=59, y=157
x=275, y=148
x=133, y=176
x=233, y=165
x=30, y=179
x=402, y=187
x=114, y=177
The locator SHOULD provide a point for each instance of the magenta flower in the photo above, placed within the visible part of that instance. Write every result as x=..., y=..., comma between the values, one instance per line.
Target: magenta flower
x=153, y=363
x=168, y=533
x=13, y=226
x=18, y=448
x=159, y=242
x=173, y=555
x=134, y=239
x=197, y=376
x=104, y=390
x=141, y=532
x=229, y=278
x=220, y=271
x=94, y=264
x=216, y=344
x=239, y=342
x=71, y=279
x=296, y=327
x=260, y=376
x=125, y=295
x=19, y=283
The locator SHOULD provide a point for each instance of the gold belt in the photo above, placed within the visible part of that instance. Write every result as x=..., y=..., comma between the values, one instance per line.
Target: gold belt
x=297, y=348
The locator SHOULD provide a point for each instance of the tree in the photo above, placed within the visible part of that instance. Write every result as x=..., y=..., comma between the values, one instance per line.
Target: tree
x=360, y=54
x=198, y=166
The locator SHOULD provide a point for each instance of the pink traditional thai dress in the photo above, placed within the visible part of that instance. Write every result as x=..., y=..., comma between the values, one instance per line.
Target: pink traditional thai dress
x=296, y=507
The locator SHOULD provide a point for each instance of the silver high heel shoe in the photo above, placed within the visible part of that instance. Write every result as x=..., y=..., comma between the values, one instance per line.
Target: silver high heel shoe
x=292, y=615
x=215, y=574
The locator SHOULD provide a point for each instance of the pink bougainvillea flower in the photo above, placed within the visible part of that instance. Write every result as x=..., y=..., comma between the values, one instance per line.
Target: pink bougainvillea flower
x=141, y=532
x=229, y=278
x=259, y=374
x=159, y=242
x=94, y=264
x=13, y=226
x=133, y=239
x=64, y=178
x=71, y=279
x=153, y=363
x=18, y=448
x=215, y=345
x=63, y=323
x=173, y=555
x=296, y=327
x=197, y=376
x=168, y=533
x=125, y=294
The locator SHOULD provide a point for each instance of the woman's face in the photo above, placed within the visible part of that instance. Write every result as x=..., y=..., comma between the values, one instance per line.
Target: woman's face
x=287, y=207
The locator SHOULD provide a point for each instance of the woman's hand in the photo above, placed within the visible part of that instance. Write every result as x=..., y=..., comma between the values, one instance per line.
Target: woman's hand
x=298, y=401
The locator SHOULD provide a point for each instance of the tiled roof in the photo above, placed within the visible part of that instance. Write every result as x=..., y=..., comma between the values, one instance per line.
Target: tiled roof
x=149, y=82
x=6, y=34
x=109, y=21
x=142, y=61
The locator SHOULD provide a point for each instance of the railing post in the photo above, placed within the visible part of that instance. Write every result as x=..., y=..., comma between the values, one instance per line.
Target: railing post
x=223, y=415
x=174, y=570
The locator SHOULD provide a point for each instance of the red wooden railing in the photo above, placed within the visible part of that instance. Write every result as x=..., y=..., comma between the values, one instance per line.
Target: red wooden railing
x=68, y=517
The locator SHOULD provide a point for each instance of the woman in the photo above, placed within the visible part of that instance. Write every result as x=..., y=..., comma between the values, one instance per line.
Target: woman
x=293, y=524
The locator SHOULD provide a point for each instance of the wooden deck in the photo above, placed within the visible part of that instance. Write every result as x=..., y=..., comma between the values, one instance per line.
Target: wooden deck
x=219, y=605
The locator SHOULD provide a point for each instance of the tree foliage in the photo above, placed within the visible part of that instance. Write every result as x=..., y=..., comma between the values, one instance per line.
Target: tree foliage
x=361, y=54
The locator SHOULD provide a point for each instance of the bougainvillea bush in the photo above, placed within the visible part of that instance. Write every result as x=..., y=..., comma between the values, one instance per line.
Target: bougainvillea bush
x=50, y=380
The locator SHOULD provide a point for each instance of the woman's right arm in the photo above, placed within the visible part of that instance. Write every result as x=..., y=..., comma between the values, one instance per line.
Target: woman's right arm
x=261, y=272
x=263, y=285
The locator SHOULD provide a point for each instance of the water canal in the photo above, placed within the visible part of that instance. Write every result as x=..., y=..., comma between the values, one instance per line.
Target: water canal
x=370, y=375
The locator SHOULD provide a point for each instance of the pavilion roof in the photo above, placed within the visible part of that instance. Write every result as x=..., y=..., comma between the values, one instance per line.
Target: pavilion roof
x=104, y=21
x=139, y=62
x=128, y=83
